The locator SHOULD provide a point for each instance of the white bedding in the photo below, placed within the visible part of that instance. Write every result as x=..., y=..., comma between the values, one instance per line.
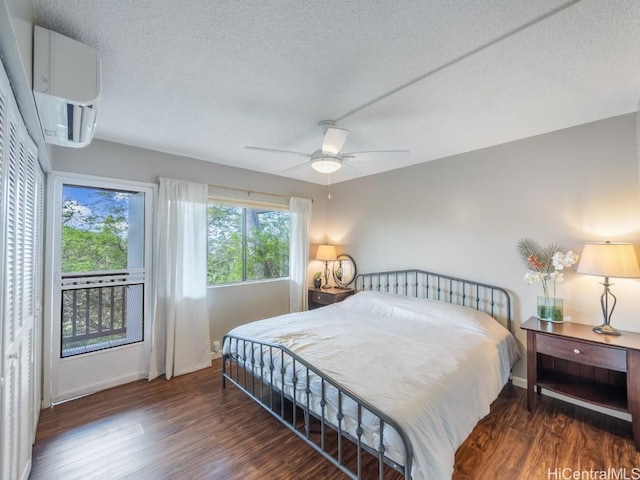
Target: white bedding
x=433, y=367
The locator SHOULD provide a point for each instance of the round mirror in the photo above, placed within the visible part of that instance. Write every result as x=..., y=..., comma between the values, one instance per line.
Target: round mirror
x=344, y=271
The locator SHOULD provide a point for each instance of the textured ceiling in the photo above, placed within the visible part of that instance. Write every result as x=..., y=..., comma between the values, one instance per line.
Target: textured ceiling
x=205, y=78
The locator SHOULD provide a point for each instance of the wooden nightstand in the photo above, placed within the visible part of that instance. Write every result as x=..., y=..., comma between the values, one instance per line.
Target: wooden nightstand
x=571, y=359
x=319, y=297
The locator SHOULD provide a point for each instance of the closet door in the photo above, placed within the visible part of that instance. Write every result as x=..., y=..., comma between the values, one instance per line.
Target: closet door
x=21, y=205
x=5, y=427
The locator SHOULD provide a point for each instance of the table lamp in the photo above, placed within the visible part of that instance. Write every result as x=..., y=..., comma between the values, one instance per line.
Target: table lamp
x=608, y=259
x=326, y=253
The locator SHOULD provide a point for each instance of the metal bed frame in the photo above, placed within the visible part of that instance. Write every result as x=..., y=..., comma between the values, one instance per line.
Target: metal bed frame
x=256, y=374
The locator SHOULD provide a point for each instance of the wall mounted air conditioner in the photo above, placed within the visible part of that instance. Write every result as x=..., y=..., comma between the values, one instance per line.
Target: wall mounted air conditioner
x=66, y=87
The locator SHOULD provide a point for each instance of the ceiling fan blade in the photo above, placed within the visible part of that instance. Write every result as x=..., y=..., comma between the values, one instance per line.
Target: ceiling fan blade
x=275, y=150
x=295, y=167
x=379, y=155
x=348, y=165
x=334, y=139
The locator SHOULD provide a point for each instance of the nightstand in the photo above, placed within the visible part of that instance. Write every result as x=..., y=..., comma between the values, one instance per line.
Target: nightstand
x=571, y=359
x=319, y=297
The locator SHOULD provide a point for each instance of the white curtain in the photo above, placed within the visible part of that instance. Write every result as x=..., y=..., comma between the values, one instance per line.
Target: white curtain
x=180, y=333
x=300, y=215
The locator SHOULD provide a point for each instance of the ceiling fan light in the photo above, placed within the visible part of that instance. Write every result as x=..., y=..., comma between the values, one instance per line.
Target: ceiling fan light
x=326, y=164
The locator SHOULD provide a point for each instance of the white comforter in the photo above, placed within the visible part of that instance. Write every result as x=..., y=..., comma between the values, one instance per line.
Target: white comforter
x=433, y=367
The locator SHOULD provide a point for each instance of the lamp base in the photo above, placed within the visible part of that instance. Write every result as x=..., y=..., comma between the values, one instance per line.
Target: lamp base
x=607, y=329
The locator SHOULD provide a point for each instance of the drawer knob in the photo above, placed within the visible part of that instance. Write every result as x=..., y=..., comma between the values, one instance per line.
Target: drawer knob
x=576, y=351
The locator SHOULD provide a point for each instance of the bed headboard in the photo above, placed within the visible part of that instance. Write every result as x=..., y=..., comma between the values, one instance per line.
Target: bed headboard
x=495, y=301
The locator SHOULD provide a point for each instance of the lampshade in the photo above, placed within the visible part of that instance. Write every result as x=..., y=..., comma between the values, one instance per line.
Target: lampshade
x=326, y=253
x=607, y=259
x=326, y=164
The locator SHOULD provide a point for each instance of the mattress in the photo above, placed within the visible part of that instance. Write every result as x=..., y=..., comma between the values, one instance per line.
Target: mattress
x=433, y=367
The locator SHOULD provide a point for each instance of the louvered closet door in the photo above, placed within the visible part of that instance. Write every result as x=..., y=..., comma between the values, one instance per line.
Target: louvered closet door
x=6, y=428
x=21, y=208
x=38, y=294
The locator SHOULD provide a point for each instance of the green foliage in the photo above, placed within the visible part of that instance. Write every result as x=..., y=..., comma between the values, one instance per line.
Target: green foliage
x=94, y=236
x=86, y=251
x=224, y=260
x=243, y=243
x=264, y=252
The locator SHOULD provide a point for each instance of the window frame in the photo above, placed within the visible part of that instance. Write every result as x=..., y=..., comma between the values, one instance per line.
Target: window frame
x=245, y=205
x=108, y=278
x=127, y=361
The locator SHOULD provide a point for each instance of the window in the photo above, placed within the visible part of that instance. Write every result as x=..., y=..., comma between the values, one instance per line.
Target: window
x=99, y=229
x=102, y=255
x=246, y=243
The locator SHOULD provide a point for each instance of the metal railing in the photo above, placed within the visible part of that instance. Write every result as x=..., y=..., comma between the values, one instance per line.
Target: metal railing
x=100, y=311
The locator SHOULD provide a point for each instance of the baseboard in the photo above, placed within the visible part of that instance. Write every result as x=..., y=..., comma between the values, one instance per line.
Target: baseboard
x=96, y=387
x=215, y=355
x=522, y=382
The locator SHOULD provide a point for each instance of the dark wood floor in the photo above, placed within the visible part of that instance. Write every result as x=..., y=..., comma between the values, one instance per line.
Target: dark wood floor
x=188, y=428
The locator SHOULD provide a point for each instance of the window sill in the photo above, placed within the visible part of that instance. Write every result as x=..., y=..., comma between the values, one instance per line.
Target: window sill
x=249, y=283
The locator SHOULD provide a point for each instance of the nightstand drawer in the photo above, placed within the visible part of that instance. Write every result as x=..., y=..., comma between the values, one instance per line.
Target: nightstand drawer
x=322, y=298
x=582, y=352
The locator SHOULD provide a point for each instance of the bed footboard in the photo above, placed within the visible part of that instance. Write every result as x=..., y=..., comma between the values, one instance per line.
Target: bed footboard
x=347, y=430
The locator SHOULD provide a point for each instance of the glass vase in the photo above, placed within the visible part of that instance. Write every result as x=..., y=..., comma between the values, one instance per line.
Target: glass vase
x=550, y=309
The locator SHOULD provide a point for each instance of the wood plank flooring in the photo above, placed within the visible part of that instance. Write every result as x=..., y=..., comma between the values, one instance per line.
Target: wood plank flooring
x=188, y=428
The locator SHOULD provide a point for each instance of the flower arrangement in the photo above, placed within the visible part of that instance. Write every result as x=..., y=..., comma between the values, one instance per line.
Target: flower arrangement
x=546, y=265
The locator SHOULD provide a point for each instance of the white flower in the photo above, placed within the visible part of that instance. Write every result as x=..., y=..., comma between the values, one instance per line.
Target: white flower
x=570, y=258
x=557, y=276
x=533, y=277
x=543, y=266
x=557, y=260
x=561, y=260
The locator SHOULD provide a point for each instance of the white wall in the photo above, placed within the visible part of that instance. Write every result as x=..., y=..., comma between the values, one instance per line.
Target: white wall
x=463, y=215
x=230, y=305
x=16, y=50
x=21, y=14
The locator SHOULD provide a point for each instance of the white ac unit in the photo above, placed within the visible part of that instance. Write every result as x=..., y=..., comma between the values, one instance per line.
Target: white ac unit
x=66, y=87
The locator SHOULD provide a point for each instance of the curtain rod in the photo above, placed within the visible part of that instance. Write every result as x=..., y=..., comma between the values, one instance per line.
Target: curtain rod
x=249, y=192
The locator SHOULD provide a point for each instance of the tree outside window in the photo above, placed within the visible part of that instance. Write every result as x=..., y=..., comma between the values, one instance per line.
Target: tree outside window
x=246, y=244
x=102, y=235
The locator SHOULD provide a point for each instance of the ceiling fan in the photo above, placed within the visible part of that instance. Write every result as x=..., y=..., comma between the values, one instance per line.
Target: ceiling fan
x=329, y=159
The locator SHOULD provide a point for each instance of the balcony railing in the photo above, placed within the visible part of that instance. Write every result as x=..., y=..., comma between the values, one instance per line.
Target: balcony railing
x=100, y=311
